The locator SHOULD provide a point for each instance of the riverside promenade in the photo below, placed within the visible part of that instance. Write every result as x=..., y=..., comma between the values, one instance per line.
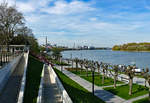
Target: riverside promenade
x=99, y=91
x=11, y=89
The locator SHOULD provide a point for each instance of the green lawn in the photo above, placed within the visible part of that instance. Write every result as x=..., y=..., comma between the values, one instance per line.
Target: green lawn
x=123, y=90
x=77, y=93
x=98, y=78
x=33, y=78
x=144, y=100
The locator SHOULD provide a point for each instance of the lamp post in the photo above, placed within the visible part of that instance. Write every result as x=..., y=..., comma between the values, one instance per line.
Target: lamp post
x=61, y=63
x=71, y=59
x=92, y=66
x=93, y=81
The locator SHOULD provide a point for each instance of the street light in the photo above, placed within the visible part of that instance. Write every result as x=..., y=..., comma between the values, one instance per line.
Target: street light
x=93, y=81
x=61, y=63
x=92, y=66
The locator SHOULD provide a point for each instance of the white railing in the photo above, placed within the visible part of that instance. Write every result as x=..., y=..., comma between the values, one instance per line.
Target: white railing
x=7, y=70
x=54, y=79
x=39, y=98
x=23, y=82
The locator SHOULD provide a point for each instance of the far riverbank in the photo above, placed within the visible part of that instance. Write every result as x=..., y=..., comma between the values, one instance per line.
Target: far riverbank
x=141, y=59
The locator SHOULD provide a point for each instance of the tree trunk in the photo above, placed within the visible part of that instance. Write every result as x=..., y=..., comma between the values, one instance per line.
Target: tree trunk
x=149, y=94
x=103, y=77
x=145, y=83
x=106, y=73
x=130, y=85
x=99, y=71
x=72, y=63
x=81, y=68
x=61, y=68
x=115, y=77
x=76, y=66
x=87, y=72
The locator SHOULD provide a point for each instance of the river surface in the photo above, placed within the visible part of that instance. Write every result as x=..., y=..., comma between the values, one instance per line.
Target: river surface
x=141, y=59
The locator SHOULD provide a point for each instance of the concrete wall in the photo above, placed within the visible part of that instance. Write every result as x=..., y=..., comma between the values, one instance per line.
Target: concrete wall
x=23, y=82
x=39, y=98
x=63, y=92
x=7, y=70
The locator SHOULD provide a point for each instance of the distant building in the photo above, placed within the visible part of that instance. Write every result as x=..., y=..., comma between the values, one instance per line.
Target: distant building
x=85, y=47
x=92, y=48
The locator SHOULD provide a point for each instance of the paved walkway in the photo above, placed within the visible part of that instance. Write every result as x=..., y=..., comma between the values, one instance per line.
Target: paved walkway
x=50, y=91
x=140, y=81
x=99, y=92
x=137, y=98
x=12, y=87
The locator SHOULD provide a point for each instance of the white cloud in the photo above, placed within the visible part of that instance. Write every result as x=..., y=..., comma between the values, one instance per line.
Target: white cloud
x=62, y=7
x=78, y=21
x=93, y=19
x=25, y=7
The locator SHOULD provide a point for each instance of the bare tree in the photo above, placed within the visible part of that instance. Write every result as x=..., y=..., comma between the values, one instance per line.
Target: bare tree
x=86, y=65
x=130, y=71
x=145, y=74
x=76, y=60
x=81, y=62
x=98, y=67
x=148, y=79
x=10, y=21
x=115, y=69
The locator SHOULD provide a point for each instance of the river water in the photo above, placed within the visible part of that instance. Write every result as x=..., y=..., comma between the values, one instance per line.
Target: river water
x=141, y=59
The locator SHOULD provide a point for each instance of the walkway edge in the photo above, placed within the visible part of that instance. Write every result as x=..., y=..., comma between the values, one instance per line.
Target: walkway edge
x=39, y=98
x=23, y=82
x=65, y=97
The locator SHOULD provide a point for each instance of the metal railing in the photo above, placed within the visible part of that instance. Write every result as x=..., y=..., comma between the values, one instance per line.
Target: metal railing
x=6, y=57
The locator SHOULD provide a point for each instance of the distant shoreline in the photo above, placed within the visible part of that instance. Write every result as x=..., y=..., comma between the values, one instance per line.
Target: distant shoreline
x=130, y=51
x=70, y=49
x=106, y=49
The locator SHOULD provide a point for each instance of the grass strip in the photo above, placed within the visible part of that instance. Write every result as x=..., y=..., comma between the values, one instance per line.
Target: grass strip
x=123, y=90
x=144, y=100
x=33, y=78
x=77, y=93
x=98, y=78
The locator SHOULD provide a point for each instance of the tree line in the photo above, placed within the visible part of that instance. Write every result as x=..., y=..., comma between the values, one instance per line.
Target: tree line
x=109, y=70
x=13, y=30
x=145, y=46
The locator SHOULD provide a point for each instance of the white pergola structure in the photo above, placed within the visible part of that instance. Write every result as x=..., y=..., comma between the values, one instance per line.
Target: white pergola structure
x=13, y=48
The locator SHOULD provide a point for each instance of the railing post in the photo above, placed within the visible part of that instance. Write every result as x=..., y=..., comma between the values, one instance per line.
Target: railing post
x=1, y=61
x=4, y=58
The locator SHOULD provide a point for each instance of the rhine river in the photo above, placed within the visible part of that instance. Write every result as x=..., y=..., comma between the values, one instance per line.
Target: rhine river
x=141, y=59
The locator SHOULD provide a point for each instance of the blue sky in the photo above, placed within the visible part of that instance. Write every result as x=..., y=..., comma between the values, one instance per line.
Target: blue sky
x=87, y=22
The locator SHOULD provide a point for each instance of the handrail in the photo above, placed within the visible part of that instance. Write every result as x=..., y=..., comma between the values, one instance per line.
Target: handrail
x=64, y=95
x=23, y=82
x=6, y=57
x=39, y=98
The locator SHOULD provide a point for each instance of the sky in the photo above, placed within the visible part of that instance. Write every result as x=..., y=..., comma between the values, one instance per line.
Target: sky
x=100, y=23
